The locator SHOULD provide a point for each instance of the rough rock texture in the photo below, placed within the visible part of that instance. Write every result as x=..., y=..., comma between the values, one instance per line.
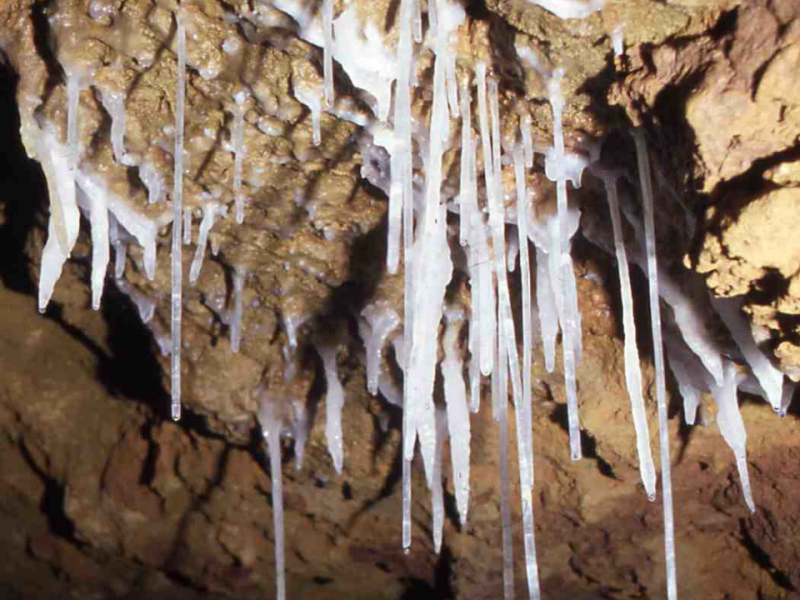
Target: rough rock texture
x=730, y=97
x=103, y=498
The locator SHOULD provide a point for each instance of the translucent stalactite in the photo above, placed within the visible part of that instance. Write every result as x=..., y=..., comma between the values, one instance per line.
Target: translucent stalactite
x=271, y=428
x=658, y=356
x=334, y=401
x=177, y=214
x=633, y=372
x=458, y=421
x=563, y=274
x=239, y=276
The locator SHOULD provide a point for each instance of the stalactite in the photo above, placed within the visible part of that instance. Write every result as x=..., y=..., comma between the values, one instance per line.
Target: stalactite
x=177, y=214
x=562, y=273
x=658, y=354
x=633, y=373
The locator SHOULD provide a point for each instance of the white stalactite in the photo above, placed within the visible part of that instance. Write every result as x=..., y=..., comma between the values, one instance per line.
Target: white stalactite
x=120, y=247
x=525, y=431
x=731, y=426
x=327, y=58
x=527, y=140
x=633, y=372
x=210, y=212
x=377, y=323
x=114, y=103
x=239, y=276
x=64, y=222
x=562, y=266
x=187, y=226
x=437, y=491
x=237, y=138
x=548, y=313
x=458, y=421
x=177, y=214
x=468, y=193
x=770, y=378
x=98, y=218
x=271, y=427
x=500, y=399
x=485, y=262
x=334, y=401
x=658, y=356
x=433, y=272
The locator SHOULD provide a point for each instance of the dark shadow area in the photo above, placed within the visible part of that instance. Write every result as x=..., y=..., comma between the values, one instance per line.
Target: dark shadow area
x=443, y=577
x=589, y=444
x=763, y=560
x=451, y=509
x=597, y=88
x=476, y=9
x=347, y=491
x=148, y=473
x=559, y=415
x=45, y=49
x=417, y=589
x=52, y=504
x=24, y=191
x=131, y=369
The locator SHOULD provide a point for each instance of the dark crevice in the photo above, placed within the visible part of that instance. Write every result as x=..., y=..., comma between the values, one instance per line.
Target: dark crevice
x=758, y=74
x=731, y=196
x=559, y=415
x=737, y=191
x=451, y=509
x=347, y=491
x=177, y=552
x=52, y=503
x=773, y=284
x=196, y=425
x=763, y=560
x=725, y=25
x=148, y=473
x=590, y=451
x=45, y=48
x=182, y=580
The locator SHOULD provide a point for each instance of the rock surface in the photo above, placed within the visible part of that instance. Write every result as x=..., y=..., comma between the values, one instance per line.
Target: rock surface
x=104, y=498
